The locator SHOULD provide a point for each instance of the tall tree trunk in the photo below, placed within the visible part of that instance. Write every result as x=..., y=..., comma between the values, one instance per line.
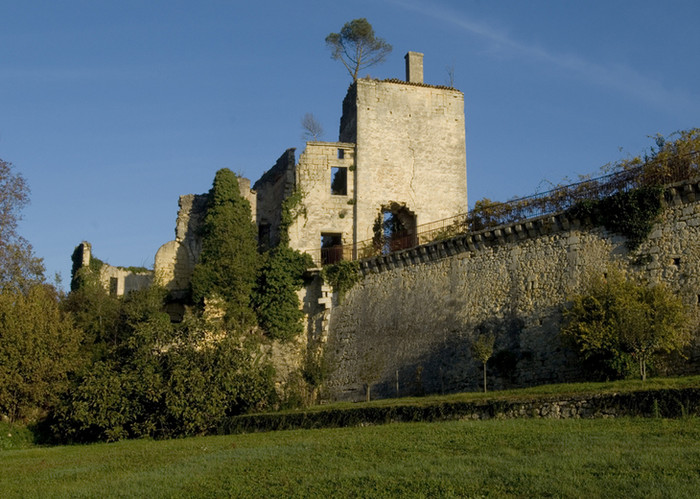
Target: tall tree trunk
x=484, y=377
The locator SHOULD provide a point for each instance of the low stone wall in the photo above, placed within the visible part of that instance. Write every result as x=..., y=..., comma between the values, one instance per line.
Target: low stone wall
x=407, y=328
x=646, y=403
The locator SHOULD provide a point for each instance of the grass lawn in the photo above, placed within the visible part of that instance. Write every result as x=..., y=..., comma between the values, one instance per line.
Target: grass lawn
x=626, y=457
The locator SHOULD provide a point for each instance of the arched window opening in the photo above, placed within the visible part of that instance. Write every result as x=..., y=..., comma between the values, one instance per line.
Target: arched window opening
x=394, y=229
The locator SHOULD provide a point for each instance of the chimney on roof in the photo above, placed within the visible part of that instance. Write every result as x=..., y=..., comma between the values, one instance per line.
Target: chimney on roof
x=414, y=67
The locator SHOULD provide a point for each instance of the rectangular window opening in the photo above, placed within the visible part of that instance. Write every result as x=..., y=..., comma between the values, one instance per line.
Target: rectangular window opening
x=331, y=248
x=113, y=286
x=339, y=181
x=341, y=153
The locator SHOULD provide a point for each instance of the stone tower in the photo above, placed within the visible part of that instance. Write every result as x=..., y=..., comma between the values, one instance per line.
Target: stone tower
x=410, y=148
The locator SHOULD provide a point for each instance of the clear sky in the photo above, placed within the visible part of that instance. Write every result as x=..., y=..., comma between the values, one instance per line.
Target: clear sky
x=112, y=109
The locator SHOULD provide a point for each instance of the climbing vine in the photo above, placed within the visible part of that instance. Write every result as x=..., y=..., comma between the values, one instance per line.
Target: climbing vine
x=292, y=208
x=275, y=298
x=629, y=213
x=229, y=262
x=342, y=276
x=79, y=273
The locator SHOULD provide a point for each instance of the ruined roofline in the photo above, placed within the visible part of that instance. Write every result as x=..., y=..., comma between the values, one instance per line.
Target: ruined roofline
x=286, y=160
x=399, y=82
x=402, y=82
x=331, y=143
x=414, y=84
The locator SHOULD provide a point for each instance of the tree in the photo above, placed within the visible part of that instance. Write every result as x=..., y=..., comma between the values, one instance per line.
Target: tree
x=39, y=347
x=619, y=320
x=19, y=267
x=312, y=128
x=482, y=349
x=229, y=262
x=651, y=320
x=357, y=47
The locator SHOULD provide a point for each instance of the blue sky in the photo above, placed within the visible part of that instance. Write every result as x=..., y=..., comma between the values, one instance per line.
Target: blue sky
x=111, y=110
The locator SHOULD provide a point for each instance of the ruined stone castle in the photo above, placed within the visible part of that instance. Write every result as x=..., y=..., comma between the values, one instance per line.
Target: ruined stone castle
x=406, y=327
x=400, y=155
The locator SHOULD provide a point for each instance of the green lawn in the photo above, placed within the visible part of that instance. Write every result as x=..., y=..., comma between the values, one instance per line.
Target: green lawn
x=523, y=458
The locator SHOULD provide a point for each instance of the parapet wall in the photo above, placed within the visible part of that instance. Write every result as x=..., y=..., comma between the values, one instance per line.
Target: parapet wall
x=408, y=326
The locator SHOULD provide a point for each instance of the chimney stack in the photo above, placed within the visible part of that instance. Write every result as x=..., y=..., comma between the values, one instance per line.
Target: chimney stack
x=414, y=67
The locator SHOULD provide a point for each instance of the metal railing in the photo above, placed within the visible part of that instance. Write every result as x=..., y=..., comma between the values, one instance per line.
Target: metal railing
x=486, y=214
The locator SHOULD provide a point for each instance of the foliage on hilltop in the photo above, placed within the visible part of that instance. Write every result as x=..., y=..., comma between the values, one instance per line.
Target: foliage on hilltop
x=154, y=378
x=39, y=348
x=357, y=47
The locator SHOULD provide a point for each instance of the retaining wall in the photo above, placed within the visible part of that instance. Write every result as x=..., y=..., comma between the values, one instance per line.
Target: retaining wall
x=407, y=327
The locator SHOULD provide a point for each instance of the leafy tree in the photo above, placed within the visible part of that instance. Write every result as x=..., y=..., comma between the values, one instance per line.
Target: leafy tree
x=357, y=47
x=276, y=299
x=19, y=267
x=619, y=320
x=482, y=349
x=93, y=309
x=206, y=384
x=651, y=320
x=229, y=260
x=39, y=348
x=312, y=128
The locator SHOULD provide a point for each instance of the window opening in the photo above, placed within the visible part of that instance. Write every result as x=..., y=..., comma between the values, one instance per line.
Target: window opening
x=395, y=229
x=113, y=286
x=339, y=181
x=331, y=248
x=341, y=153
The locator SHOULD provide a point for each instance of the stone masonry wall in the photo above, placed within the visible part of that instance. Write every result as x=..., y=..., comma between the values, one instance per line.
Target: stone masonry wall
x=271, y=190
x=324, y=212
x=413, y=317
x=175, y=260
x=118, y=281
x=410, y=150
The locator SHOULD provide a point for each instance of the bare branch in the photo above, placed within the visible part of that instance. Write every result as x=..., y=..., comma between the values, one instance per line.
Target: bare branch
x=313, y=130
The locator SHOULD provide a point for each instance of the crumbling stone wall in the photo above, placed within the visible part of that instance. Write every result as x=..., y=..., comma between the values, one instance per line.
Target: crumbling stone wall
x=119, y=281
x=323, y=211
x=175, y=260
x=412, y=319
x=271, y=189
